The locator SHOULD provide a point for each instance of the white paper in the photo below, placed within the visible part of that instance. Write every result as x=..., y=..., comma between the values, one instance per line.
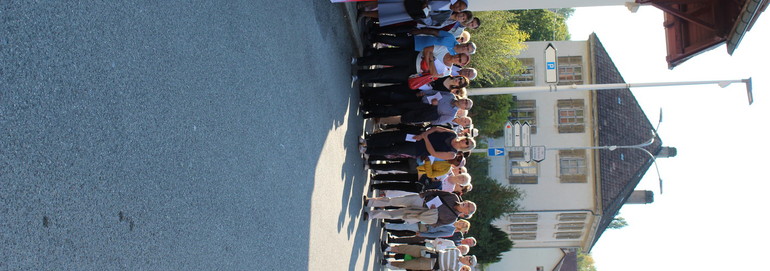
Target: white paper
x=436, y=97
x=434, y=203
x=410, y=138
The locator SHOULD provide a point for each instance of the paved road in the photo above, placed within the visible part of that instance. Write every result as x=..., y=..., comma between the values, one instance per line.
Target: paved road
x=161, y=135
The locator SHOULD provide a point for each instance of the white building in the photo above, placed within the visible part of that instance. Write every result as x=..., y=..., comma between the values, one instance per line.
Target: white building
x=572, y=196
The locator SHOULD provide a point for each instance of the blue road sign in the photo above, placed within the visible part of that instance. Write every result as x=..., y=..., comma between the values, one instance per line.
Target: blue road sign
x=550, y=66
x=496, y=151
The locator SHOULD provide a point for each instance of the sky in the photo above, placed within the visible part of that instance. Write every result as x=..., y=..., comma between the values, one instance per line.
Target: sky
x=712, y=213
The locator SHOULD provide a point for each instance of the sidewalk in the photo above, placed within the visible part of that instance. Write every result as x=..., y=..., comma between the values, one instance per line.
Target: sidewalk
x=350, y=12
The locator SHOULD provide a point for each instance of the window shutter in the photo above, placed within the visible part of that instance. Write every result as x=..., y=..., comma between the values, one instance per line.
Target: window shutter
x=522, y=179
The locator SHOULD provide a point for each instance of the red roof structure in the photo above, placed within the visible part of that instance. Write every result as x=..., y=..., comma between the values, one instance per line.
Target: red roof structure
x=695, y=26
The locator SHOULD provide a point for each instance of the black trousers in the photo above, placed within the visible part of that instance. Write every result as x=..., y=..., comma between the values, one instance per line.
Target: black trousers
x=410, y=177
x=403, y=62
x=401, y=164
x=403, y=42
x=409, y=112
x=398, y=93
x=388, y=143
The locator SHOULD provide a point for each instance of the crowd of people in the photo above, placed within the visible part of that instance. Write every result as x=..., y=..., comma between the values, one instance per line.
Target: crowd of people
x=412, y=80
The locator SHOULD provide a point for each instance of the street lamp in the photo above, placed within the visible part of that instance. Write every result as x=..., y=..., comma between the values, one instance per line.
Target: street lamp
x=637, y=146
x=555, y=88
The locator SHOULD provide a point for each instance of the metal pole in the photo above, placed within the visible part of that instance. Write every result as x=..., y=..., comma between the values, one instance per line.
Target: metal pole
x=554, y=88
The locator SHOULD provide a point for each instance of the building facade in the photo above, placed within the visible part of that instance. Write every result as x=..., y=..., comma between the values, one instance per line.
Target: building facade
x=571, y=196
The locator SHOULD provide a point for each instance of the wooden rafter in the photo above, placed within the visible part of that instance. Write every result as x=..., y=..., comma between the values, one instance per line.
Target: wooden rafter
x=685, y=16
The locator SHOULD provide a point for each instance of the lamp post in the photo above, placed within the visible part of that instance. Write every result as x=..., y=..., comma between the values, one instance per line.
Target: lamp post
x=555, y=88
x=615, y=147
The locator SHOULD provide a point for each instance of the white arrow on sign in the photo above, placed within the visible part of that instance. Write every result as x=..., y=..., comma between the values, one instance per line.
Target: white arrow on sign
x=517, y=134
x=526, y=139
x=508, y=133
x=551, y=65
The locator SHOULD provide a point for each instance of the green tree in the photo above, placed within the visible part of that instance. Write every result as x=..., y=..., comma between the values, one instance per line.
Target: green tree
x=618, y=223
x=585, y=262
x=542, y=24
x=492, y=243
x=565, y=12
x=499, y=42
x=490, y=112
x=493, y=200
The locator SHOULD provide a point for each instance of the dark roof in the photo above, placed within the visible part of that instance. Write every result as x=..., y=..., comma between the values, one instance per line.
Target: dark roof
x=568, y=262
x=621, y=122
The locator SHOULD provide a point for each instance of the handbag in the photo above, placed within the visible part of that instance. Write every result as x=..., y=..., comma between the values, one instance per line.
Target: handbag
x=417, y=82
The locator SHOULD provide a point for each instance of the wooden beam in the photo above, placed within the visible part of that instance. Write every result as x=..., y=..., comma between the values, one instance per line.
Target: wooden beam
x=686, y=17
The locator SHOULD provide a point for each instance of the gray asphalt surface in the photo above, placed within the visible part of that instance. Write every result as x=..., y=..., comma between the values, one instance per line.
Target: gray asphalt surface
x=169, y=135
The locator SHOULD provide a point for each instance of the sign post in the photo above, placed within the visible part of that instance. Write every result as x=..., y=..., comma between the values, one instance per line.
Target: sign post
x=495, y=151
x=551, y=65
x=538, y=153
x=508, y=133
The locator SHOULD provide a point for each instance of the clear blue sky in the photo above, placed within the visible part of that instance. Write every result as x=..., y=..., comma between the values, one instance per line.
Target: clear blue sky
x=712, y=213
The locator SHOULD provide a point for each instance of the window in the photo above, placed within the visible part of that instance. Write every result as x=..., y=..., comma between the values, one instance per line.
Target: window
x=522, y=227
x=568, y=235
x=522, y=172
x=522, y=218
x=571, y=117
x=572, y=166
x=522, y=236
x=570, y=226
x=572, y=217
x=524, y=111
x=570, y=70
x=527, y=75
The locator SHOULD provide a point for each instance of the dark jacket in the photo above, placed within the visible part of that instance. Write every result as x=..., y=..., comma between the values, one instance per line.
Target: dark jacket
x=446, y=212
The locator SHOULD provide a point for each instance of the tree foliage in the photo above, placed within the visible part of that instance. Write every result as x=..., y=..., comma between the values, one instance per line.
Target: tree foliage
x=585, y=262
x=492, y=243
x=494, y=200
x=618, y=223
x=490, y=112
x=542, y=24
x=499, y=42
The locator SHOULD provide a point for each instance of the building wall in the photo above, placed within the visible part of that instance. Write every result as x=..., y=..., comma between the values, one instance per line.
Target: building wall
x=554, y=199
x=479, y=5
x=528, y=259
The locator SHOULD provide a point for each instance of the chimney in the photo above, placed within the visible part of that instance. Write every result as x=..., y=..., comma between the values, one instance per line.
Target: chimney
x=666, y=152
x=640, y=197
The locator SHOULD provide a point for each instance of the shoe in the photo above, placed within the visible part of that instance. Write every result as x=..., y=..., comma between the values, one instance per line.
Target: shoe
x=353, y=61
x=366, y=157
x=365, y=216
x=366, y=201
x=353, y=80
x=362, y=140
x=383, y=246
x=366, y=167
x=371, y=188
x=362, y=149
x=384, y=261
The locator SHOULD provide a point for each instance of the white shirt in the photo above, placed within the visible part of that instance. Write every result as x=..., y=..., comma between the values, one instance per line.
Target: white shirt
x=438, y=53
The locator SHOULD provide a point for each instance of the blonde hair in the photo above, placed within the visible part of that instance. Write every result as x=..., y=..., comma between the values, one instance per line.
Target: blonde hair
x=465, y=179
x=466, y=35
x=465, y=228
